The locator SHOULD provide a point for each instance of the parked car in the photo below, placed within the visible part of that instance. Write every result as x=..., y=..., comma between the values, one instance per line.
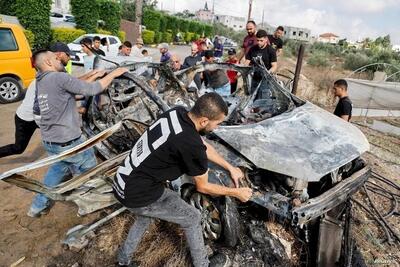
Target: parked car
x=111, y=50
x=16, y=68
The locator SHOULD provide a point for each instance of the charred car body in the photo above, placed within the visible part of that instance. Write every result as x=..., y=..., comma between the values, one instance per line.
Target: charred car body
x=301, y=161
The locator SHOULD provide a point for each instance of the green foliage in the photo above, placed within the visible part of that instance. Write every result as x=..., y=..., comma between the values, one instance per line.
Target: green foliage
x=189, y=36
x=172, y=24
x=167, y=37
x=329, y=49
x=195, y=37
x=193, y=26
x=291, y=47
x=163, y=24
x=151, y=19
x=65, y=35
x=34, y=16
x=183, y=25
x=318, y=59
x=158, y=37
x=357, y=60
x=186, y=14
x=128, y=10
x=148, y=36
x=208, y=30
x=101, y=31
x=86, y=14
x=110, y=13
x=121, y=35
x=30, y=37
x=7, y=7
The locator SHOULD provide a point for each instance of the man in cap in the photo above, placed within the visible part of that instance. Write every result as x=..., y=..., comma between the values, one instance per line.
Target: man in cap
x=165, y=55
x=136, y=49
x=63, y=53
x=59, y=120
x=25, y=124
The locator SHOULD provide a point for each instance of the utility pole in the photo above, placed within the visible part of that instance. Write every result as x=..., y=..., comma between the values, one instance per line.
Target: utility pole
x=249, y=15
x=137, y=31
x=262, y=23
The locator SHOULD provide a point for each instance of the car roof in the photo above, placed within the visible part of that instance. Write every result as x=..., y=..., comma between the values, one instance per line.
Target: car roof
x=100, y=35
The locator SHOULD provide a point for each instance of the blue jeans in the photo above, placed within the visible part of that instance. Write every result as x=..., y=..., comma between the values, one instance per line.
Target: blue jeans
x=224, y=90
x=60, y=170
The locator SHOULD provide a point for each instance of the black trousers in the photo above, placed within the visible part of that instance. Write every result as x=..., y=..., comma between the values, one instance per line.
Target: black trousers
x=23, y=133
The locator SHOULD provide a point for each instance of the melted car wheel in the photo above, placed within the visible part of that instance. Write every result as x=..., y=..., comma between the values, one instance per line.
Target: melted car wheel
x=219, y=216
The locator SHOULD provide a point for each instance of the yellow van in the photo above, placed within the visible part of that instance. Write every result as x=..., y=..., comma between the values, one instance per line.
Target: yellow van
x=16, y=68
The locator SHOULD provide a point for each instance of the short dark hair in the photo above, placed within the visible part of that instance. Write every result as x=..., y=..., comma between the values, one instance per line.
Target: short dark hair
x=341, y=83
x=86, y=41
x=210, y=105
x=96, y=38
x=261, y=34
x=280, y=28
x=252, y=22
x=36, y=53
x=144, y=51
x=127, y=44
x=208, y=54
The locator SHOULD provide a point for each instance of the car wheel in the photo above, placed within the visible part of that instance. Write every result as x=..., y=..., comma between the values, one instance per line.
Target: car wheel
x=10, y=90
x=219, y=216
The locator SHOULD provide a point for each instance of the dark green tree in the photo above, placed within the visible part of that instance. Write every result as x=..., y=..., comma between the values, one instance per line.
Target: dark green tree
x=7, y=7
x=86, y=14
x=110, y=13
x=34, y=15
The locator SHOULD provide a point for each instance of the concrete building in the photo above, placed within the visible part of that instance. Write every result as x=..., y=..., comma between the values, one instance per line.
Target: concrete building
x=61, y=6
x=205, y=14
x=296, y=33
x=236, y=23
x=328, y=38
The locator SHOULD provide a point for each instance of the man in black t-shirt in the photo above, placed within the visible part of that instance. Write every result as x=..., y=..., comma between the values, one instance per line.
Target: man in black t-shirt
x=170, y=147
x=263, y=50
x=96, y=46
x=344, y=107
x=276, y=41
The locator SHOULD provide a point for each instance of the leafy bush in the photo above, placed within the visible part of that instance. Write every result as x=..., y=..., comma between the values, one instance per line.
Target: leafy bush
x=34, y=15
x=291, y=47
x=158, y=37
x=151, y=19
x=208, y=30
x=183, y=25
x=8, y=7
x=101, y=31
x=30, y=37
x=195, y=37
x=330, y=49
x=354, y=61
x=163, y=24
x=167, y=37
x=65, y=35
x=110, y=13
x=148, y=36
x=121, y=35
x=189, y=37
x=86, y=14
x=318, y=59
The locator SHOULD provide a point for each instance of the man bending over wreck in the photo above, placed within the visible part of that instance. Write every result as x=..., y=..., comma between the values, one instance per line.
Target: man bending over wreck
x=169, y=148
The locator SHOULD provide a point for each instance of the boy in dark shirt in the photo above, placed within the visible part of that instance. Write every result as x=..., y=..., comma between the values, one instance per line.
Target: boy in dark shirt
x=344, y=107
x=96, y=46
x=232, y=75
x=169, y=148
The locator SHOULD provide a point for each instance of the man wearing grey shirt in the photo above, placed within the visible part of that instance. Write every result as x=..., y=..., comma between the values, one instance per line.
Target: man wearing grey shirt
x=59, y=121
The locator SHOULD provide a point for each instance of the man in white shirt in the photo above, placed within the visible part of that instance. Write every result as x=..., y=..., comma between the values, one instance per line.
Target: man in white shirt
x=25, y=125
x=137, y=48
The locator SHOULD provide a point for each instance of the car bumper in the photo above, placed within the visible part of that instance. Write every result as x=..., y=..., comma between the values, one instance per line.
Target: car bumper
x=317, y=206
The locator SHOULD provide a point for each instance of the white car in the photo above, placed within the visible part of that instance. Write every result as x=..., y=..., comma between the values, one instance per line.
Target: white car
x=112, y=50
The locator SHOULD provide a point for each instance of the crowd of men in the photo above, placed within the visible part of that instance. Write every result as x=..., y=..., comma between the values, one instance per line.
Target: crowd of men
x=139, y=184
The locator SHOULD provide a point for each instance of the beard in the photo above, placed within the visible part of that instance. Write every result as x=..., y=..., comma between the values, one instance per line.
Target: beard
x=204, y=132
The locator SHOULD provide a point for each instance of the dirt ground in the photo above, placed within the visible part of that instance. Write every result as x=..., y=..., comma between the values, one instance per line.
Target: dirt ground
x=37, y=242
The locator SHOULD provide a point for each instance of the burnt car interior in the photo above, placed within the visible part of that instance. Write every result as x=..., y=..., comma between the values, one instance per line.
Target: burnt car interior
x=311, y=209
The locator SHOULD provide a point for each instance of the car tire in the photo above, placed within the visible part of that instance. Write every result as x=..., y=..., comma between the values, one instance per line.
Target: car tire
x=220, y=218
x=10, y=90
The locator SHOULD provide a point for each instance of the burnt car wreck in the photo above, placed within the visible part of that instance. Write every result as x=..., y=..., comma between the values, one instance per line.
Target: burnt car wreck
x=301, y=162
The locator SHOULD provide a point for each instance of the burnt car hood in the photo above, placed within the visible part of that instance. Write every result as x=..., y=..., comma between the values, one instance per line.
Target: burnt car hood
x=306, y=142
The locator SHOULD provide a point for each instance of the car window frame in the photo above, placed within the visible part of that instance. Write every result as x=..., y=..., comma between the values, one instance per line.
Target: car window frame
x=15, y=40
